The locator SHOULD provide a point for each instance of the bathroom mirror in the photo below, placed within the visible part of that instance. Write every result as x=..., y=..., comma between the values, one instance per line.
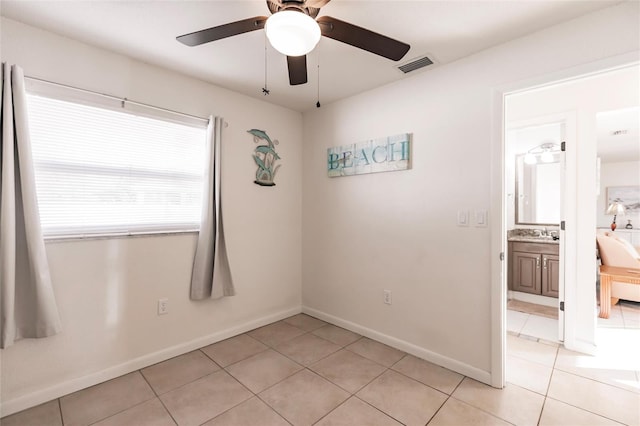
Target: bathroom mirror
x=538, y=192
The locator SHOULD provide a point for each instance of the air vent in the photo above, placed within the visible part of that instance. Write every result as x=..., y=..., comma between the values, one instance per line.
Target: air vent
x=619, y=132
x=415, y=64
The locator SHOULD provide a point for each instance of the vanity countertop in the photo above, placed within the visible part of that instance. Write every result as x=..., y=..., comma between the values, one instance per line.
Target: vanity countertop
x=531, y=236
x=526, y=239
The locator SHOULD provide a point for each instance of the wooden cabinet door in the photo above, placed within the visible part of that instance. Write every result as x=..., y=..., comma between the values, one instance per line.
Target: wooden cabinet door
x=526, y=272
x=550, y=275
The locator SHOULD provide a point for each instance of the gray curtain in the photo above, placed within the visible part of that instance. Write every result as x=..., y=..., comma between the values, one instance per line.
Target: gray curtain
x=27, y=306
x=211, y=275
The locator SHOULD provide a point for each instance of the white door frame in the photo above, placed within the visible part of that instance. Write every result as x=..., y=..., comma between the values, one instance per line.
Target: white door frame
x=498, y=215
x=568, y=122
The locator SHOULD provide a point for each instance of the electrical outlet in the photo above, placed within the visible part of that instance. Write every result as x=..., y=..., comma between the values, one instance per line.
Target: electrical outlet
x=163, y=306
x=387, y=297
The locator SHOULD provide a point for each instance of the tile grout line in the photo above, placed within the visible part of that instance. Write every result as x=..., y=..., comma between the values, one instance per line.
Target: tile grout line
x=125, y=409
x=236, y=405
x=410, y=378
x=354, y=394
x=60, y=409
x=377, y=409
x=474, y=406
x=597, y=381
x=149, y=384
x=273, y=409
x=439, y=408
x=342, y=347
x=253, y=394
x=240, y=360
x=304, y=367
x=334, y=409
x=158, y=396
x=546, y=394
x=584, y=409
x=122, y=411
x=577, y=375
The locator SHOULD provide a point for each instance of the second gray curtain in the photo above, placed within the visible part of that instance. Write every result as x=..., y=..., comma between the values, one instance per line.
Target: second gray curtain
x=27, y=304
x=211, y=274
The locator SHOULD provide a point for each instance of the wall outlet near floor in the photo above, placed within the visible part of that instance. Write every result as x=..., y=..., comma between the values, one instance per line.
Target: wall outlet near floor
x=387, y=297
x=163, y=306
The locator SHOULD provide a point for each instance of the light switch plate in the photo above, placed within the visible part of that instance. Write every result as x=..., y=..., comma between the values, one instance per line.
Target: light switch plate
x=463, y=218
x=481, y=218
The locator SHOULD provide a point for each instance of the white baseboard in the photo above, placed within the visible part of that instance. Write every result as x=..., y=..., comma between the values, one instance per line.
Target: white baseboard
x=410, y=348
x=534, y=298
x=44, y=395
x=581, y=346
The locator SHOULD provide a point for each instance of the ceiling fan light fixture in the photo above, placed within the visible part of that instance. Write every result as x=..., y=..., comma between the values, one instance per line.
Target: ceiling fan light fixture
x=292, y=33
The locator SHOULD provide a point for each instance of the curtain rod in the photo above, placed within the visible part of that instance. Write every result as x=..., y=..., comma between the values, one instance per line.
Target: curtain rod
x=117, y=98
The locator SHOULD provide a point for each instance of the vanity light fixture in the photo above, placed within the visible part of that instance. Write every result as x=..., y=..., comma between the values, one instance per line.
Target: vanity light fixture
x=545, y=150
x=615, y=209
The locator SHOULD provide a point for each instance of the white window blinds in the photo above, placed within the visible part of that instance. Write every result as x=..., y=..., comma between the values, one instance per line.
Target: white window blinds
x=100, y=171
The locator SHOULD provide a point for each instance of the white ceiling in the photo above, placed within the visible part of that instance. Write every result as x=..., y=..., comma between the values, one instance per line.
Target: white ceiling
x=146, y=30
x=618, y=134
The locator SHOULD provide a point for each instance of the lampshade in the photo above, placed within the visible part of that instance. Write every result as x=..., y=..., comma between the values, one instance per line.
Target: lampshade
x=292, y=33
x=615, y=208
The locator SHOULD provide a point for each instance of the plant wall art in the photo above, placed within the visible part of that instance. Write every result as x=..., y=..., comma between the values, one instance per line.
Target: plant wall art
x=265, y=157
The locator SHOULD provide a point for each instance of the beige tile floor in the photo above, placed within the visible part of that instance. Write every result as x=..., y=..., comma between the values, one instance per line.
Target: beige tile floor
x=303, y=371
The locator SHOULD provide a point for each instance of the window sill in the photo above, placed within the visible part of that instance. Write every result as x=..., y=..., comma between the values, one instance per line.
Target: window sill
x=112, y=235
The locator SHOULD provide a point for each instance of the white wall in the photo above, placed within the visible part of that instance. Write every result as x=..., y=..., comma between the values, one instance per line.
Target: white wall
x=107, y=289
x=623, y=173
x=398, y=230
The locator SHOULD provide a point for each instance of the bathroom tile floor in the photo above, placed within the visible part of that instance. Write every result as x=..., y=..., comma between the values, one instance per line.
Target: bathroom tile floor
x=303, y=371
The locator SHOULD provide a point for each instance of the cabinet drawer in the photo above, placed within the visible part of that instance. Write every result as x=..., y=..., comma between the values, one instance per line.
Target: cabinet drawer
x=542, y=248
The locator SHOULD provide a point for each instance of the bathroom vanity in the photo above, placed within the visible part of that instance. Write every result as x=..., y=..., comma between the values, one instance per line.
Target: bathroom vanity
x=533, y=254
x=534, y=266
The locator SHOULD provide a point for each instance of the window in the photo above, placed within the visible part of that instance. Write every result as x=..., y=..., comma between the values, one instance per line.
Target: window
x=102, y=171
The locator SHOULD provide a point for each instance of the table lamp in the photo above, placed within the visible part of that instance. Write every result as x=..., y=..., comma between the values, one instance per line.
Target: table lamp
x=615, y=209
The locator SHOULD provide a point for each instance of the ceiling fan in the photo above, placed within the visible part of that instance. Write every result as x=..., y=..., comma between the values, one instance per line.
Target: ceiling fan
x=292, y=29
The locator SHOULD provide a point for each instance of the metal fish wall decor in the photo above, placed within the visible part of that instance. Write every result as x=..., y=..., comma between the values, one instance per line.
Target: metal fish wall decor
x=265, y=157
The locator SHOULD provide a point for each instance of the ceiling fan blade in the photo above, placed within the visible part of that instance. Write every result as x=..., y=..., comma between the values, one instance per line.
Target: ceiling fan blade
x=316, y=3
x=223, y=31
x=297, y=69
x=362, y=38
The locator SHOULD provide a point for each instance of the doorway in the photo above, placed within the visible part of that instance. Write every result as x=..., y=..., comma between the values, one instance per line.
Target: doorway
x=579, y=214
x=534, y=176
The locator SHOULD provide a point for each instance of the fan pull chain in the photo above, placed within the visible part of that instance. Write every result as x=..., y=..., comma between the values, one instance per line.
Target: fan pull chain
x=318, y=94
x=265, y=90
